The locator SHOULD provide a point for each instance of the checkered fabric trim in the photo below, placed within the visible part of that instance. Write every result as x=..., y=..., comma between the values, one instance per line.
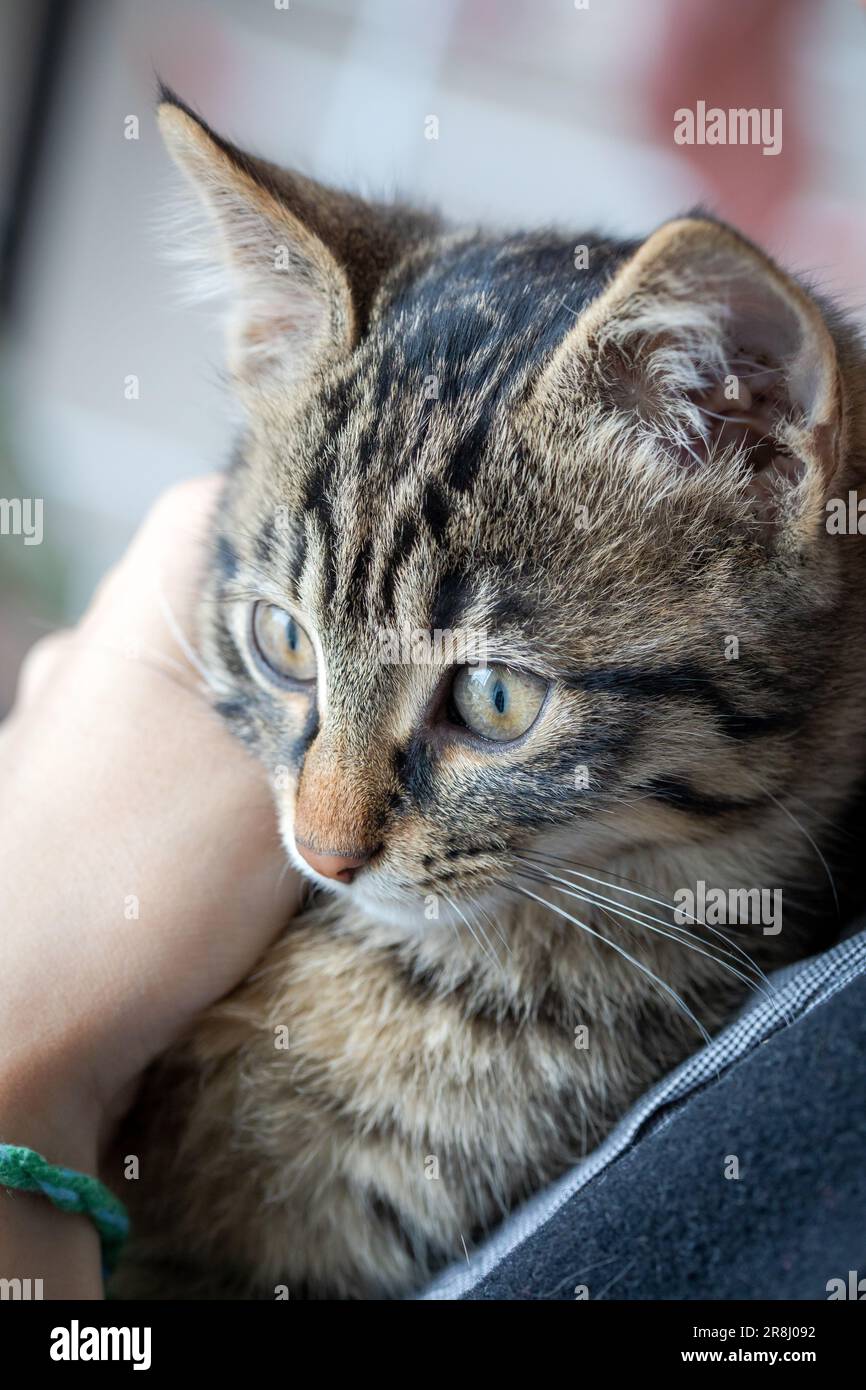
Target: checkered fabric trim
x=794, y=992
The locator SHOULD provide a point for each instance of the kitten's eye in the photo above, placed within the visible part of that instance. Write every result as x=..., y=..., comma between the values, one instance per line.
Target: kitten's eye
x=282, y=644
x=496, y=702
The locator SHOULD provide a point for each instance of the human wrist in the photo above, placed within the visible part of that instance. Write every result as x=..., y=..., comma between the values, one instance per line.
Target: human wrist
x=54, y=1116
x=57, y=1252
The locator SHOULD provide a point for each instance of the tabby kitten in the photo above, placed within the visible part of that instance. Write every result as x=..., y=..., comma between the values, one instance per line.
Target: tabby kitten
x=617, y=476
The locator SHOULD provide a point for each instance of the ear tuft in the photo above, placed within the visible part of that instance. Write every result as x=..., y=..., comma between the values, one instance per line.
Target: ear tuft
x=167, y=96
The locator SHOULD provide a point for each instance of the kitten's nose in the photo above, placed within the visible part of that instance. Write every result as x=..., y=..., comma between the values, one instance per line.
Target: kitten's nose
x=341, y=867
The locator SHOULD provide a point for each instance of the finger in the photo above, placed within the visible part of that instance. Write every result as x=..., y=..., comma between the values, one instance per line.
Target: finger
x=41, y=663
x=178, y=523
x=166, y=552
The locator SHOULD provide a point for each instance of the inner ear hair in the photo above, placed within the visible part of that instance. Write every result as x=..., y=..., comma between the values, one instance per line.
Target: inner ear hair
x=701, y=335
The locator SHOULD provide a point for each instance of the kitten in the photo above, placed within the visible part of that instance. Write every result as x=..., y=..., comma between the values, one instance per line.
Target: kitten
x=608, y=485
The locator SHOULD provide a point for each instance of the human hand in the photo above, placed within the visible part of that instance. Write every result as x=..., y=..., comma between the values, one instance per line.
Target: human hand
x=141, y=874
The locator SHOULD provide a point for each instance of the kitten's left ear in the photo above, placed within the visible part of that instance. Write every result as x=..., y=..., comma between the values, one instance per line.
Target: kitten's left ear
x=303, y=262
x=704, y=342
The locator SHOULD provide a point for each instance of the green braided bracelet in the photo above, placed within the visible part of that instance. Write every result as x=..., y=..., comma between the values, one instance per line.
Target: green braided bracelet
x=70, y=1191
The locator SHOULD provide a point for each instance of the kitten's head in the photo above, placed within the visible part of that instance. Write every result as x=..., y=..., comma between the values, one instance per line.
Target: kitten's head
x=524, y=536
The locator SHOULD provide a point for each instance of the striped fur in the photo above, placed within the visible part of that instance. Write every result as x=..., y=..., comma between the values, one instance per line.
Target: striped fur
x=431, y=1078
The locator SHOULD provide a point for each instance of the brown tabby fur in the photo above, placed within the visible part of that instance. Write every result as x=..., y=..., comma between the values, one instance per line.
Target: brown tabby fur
x=360, y=503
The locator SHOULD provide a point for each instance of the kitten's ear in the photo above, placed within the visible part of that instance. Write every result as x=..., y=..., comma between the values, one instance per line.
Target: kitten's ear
x=302, y=262
x=705, y=343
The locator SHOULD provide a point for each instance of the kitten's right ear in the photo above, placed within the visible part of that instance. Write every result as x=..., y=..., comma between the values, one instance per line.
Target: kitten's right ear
x=302, y=261
x=717, y=363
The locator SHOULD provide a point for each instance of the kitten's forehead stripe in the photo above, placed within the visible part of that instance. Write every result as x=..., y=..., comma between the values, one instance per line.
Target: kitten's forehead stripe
x=462, y=467
x=435, y=511
x=450, y=600
x=403, y=542
x=356, y=587
x=469, y=327
x=316, y=497
x=418, y=408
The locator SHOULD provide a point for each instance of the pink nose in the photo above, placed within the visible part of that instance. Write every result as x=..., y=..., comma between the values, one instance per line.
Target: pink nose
x=341, y=867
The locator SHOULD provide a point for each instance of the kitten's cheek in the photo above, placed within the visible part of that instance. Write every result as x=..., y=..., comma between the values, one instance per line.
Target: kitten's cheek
x=292, y=854
x=286, y=823
x=283, y=787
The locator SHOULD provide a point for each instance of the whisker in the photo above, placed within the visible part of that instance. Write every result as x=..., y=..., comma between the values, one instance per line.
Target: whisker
x=565, y=866
x=472, y=933
x=804, y=832
x=183, y=642
x=597, y=899
x=730, y=419
x=659, y=902
x=487, y=941
x=493, y=924
x=644, y=969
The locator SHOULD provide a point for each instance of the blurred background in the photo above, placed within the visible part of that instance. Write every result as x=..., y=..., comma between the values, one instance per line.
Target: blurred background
x=549, y=111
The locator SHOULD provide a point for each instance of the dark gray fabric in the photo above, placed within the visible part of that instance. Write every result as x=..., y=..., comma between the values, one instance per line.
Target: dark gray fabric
x=662, y=1222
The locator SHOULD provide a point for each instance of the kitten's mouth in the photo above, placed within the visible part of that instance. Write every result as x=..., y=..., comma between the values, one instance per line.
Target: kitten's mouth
x=389, y=900
x=404, y=907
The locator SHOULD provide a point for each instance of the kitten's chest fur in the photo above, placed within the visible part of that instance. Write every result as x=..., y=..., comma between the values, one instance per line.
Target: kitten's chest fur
x=363, y=1106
